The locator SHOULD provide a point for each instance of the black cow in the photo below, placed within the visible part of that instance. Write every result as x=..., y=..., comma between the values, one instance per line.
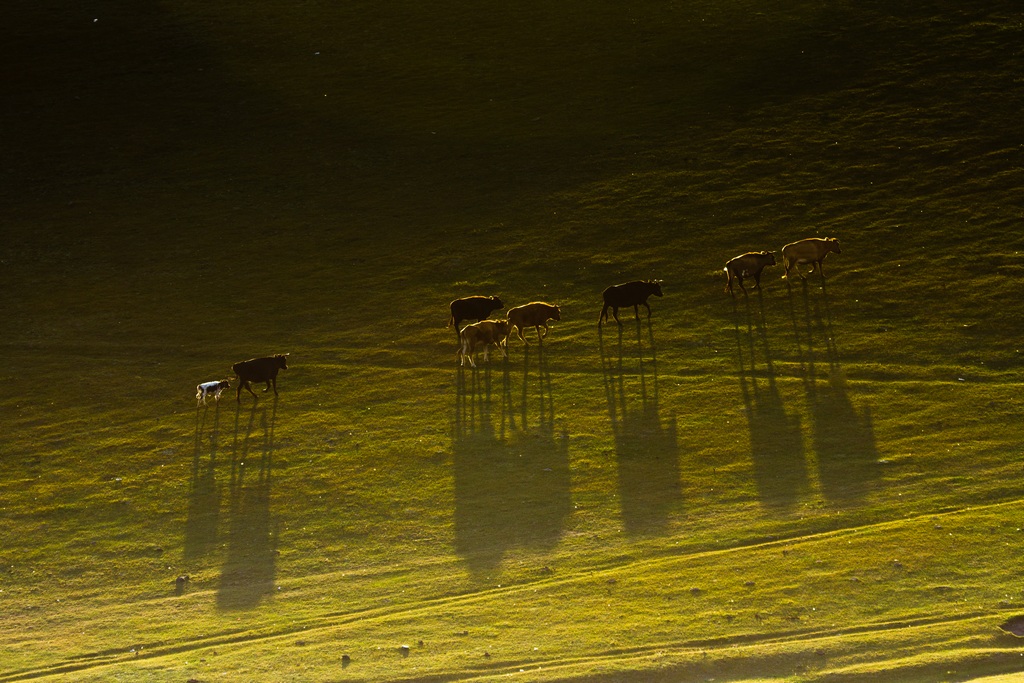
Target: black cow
x=472, y=308
x=259, y=370
x=629, y=294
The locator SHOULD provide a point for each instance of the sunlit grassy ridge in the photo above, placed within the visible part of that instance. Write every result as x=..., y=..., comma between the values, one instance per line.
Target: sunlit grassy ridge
x=819, y=481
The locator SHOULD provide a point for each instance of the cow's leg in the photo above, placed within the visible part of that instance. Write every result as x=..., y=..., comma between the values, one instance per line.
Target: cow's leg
x=757, y=279
x=615, y=312
x=603, y=316
x=248, y=388
x=540, y=337
x=519, y=331
x=274, y=380
x=648, y=306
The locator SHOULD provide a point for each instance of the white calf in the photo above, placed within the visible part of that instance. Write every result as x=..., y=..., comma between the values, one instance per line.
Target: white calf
x=210, y=389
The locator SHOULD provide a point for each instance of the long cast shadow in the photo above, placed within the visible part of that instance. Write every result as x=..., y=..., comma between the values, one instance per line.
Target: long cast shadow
x=511, y=484
x=247, y=576
x=844, y=438
x=776, y=437
x=646, y=447
x=204, y=493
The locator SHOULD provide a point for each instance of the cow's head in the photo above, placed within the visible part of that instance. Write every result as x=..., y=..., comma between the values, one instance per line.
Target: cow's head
x=496, y=303
x=655, y=287
x=834, y=245
x=556, y=314
x=282, y=360
x=771, y=257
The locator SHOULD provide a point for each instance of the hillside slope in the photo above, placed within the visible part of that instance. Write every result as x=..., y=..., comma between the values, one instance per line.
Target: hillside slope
x=818, y=481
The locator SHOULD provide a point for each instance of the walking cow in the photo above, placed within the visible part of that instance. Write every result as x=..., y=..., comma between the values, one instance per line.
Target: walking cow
x=812, y=250
x=535, y=314
x=213, y=388
x=259, y=370
x=484, y=333
x=473, y=308
x=628, y=294
x=747, y=265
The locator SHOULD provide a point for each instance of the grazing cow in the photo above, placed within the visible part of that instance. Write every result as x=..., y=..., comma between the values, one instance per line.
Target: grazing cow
x=747, y=265
x=259, y=370
x=812, y=250
x=534, y=314
x=473, y=308
x=484, y=333
x=210, y=389
x=629, y=294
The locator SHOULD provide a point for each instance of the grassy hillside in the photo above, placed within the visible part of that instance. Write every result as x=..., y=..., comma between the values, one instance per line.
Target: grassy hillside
x=817, y=482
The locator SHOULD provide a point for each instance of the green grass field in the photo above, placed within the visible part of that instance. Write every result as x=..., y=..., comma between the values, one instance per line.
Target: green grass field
x=816, y=482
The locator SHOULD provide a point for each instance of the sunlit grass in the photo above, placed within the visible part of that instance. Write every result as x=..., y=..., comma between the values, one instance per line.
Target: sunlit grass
x=815, y=482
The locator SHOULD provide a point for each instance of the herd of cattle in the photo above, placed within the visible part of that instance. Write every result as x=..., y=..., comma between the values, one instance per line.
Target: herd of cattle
x=536, y=314
x=487, y=333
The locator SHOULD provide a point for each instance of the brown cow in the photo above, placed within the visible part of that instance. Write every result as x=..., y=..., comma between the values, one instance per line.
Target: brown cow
x=747, y=265
x=534, y=314
x=812, y=250
x=484, y=333
x=259, y=370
